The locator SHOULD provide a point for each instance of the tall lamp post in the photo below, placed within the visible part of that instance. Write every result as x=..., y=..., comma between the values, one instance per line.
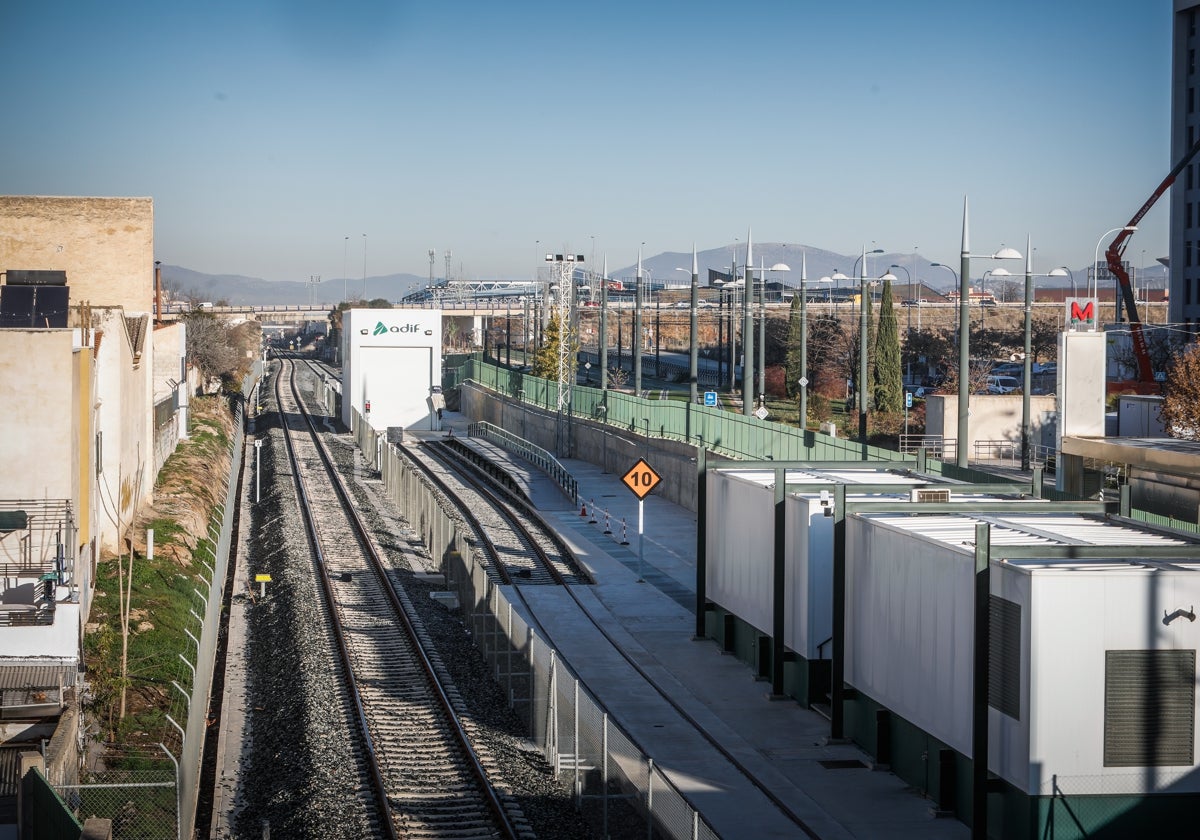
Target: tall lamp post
x=803, y=383
x=804, y=380
x=1096, y=255
x=637, y=327
x=748, y=332
x=907, y=338
x=1027, y=373
x=860, y=386
x=604, y=328
x=961, y=449
x=694, y=343
x=762, y=325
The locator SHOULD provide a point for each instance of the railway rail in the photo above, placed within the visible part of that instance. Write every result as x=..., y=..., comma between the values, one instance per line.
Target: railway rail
x=519, y=546
x=418, y=762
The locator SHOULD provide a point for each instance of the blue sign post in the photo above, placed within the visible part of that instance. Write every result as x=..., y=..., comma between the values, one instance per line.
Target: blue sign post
x=710, y=398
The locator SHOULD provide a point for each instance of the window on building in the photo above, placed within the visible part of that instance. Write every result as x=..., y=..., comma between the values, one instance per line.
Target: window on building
x=1191, y=23
x=1187, y=214
x=1149, y=707
x=1187, y=254
x=1190, y=176
x=1004, y=657
x=1191, y=62
x=1191, y=99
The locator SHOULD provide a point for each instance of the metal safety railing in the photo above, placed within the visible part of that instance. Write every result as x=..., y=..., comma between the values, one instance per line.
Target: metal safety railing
x=532, y=453
x=613, y=779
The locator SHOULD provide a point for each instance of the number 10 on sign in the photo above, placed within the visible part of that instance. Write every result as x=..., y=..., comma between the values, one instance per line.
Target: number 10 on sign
x=641, y=479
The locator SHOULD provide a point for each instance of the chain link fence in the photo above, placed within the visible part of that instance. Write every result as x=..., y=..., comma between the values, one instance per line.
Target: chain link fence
x=150, y=791
x=142, y=801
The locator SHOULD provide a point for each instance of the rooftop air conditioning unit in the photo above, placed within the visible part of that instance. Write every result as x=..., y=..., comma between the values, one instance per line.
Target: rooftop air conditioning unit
x=940, y=495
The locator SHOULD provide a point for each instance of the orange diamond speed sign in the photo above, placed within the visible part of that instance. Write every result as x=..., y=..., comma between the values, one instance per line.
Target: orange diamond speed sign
x=641, y=478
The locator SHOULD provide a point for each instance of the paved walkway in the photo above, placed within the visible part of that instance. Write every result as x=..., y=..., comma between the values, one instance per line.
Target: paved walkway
x=648, y=600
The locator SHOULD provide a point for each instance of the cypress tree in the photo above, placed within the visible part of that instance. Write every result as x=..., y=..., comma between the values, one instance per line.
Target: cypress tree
x=887, y=377
x=545, y=360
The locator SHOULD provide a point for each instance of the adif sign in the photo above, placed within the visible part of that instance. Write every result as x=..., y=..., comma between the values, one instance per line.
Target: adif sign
x=1081, y=314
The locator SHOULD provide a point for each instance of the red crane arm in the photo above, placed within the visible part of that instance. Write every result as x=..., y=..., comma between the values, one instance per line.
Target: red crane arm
x=1116, y=250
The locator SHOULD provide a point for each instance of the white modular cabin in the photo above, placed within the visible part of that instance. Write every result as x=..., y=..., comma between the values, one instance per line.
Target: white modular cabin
x=1093, y=660
x=391, y=363
x=739, y=569
x=740, y=547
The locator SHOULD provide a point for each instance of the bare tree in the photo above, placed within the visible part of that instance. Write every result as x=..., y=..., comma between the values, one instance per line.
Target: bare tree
x=1181, y=403
x=216, y=349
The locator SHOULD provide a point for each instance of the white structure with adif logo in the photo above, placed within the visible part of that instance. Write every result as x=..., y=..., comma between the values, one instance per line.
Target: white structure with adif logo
x=392, y=361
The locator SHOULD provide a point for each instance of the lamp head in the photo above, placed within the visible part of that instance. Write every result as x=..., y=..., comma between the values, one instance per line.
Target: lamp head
x=780, y=267
x=1007, y=254
x=837, y=275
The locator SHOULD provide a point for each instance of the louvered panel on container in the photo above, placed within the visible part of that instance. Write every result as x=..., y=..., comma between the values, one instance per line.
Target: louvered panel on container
x=1149, y=707
x=1004, y=657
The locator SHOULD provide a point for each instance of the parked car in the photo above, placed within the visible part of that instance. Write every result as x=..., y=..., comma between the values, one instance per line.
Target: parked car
x=1002, y=384
x=1013, y=369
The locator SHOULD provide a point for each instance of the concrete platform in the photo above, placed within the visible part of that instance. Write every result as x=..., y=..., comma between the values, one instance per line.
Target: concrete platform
x=646, y=598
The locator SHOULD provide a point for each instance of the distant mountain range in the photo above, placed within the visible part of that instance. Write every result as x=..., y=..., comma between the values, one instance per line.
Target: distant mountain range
x=663, y=268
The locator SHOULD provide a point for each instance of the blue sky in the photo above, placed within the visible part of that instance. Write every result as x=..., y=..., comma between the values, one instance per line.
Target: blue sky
x=269, y=131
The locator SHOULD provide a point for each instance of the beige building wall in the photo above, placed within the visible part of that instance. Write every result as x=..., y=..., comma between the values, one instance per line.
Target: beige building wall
x=993, y=417
x=124, y=389
x=38, y=426
x=105, y=245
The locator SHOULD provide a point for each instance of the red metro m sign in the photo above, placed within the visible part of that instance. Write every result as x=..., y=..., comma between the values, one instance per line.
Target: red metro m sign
x=1081, y=314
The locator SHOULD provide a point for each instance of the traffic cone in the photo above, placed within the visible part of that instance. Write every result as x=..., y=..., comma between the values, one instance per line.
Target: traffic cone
x=583, y=509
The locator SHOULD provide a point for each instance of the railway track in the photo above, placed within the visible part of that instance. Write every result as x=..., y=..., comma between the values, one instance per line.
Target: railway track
x=521, y=549
x=418, y=763
x=518, y=546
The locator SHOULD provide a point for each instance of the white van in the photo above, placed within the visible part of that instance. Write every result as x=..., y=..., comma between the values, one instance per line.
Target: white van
x=1003, y=384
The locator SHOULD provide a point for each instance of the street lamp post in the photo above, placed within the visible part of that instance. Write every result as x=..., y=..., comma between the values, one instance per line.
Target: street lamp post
x=748, y=332
x=1027, y=384
x=860, y=386
x=961, y=448
x=762, y=325
x=637, y=328
x=1063, y=271
x=907, y=338
x=694, y=348
x=604, y=328
x=803, y=383
x=1096, y=255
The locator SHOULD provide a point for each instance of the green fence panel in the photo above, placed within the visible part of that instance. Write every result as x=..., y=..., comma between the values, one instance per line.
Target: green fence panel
x=45, y=815
x=720, y=430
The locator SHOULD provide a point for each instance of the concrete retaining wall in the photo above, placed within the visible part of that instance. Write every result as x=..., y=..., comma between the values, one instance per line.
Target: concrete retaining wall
x=613, y=449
